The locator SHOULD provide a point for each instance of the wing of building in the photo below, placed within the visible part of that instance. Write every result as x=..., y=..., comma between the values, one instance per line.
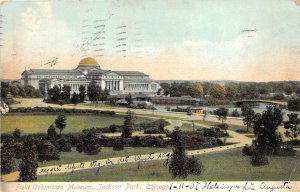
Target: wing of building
x=88, y=69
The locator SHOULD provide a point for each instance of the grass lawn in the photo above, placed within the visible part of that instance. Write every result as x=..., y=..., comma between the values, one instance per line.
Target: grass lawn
x=208, y=123
x=75, y=123
x=222, y=166
x=186, y=127
x=231, y=126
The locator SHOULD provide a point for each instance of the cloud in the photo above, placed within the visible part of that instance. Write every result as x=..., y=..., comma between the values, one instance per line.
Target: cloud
x=42, y=36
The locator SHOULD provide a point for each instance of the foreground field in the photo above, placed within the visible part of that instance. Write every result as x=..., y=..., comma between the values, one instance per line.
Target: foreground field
x=75, y=123
x=221, y=166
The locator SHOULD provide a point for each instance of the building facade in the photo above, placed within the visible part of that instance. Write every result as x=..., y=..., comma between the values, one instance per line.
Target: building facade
x=117, y=82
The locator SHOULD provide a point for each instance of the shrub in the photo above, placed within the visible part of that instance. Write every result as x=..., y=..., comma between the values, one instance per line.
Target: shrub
x=17, y=134
x=235, y=113
x=88, y=143
x=7, y=162
x=278, y=96
x=193, y=166
x=18, y=148
x=259, y=158
x=59, y=110
x=247, y=150
x=112, y=128
x=294, y=104
x=118, y=145
x=136, y=141
x=46, y=151
x=151, y=131
x=51, y=133
x=159, y=142
x=223, y=126
x=28, y=165
x=285, y=150
x=212, y=132
x=64, y=145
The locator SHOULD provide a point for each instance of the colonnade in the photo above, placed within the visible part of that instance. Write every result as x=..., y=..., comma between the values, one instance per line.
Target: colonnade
x=112, y=85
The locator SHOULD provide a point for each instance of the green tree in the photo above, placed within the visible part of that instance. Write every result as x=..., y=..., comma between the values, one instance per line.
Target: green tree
x=37, y=93
x=21, y=92
x=46, y=151
x=128, y=125
x=179, y=158
x=129, y=99
x=161, y=124
x=60, y=122
x=207, y=88
x=292, y=126
x=75, y=99
x=82, y=93
x=29, y=91
x=222, y=113
x=294, y=104
x=88, y=143
x=193, y=166
x=180, y=165
x=265, y=127
x=189, y=111
x=197, y=90
x=204, y=115
x=93, y=91
x=17, y=134
x=235, y=113
x=218, y=91
x=104, y=95
x=288, y=90
x=232, y=90
x=14, y=89
x=54, y=94
x=29, y=163
x=51, y=133
x=66, y=94
x=223, y=126
x=112, y=128
x=248, y=114
x=166, y=88
x=7, y=155
x=4, y=89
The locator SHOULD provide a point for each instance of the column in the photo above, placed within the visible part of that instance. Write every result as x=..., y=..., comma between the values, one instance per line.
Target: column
x=121, y=85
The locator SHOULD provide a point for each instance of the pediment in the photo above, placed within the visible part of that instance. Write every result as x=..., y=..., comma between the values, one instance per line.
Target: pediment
x=111, y=74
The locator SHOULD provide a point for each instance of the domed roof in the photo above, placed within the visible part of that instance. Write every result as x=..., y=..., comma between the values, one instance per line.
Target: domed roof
x=88, y=61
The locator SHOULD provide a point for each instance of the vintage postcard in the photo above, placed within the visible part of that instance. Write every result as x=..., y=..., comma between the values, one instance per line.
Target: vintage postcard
x=150, y=95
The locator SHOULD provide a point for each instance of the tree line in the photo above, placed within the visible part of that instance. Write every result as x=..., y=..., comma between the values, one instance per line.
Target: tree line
x=14, y=89
x=232, y=90
x=63, y=95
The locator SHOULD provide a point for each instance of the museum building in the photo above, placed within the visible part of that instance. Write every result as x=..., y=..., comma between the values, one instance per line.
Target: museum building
x=88, y=69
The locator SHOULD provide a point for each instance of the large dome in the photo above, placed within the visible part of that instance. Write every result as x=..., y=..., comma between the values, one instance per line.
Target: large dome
x=89, y=61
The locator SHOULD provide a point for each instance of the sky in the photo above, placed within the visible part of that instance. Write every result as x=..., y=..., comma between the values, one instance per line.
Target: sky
x=257, y=40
